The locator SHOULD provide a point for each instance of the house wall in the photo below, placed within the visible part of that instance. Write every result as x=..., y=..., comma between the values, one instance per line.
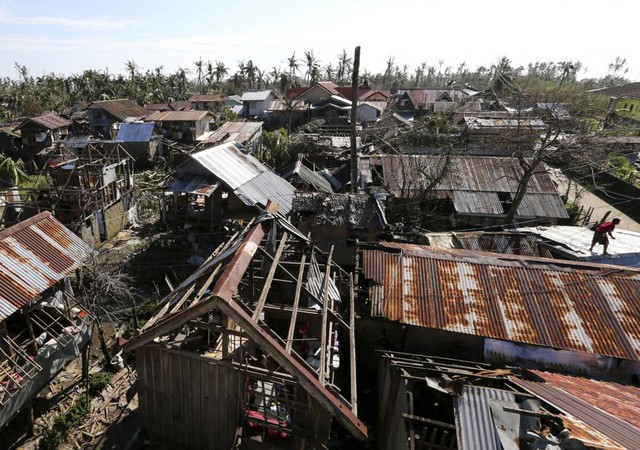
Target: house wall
x=100, y=121
x=187, y=401
x=257, y=108
x=142, y=153
x=315, y=95
x=116, y=219
x=625, y=107
x=89, y=232
x=367, y=113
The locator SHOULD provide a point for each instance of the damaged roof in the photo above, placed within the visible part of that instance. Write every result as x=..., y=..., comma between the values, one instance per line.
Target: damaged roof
x=610, y=408
x=574, y=242
x=241, y=132
x=475, y=184
x=177, y=116
x=339, y=209
x=224, y=273
x=552, y=303
x=49, y=121
x=34, y=255
x=121, y=108
x=252, y=181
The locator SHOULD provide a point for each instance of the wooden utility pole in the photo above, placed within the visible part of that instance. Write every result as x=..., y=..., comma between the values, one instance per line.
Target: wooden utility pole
x=354, y=115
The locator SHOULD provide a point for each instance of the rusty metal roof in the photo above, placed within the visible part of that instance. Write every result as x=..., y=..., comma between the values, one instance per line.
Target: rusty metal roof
x=177, y=116
x=610, y=408
x=34, y=255
x=241, y=132
x=207, y=98
x=120, y=108
x=474, y=183
x=49, y=121
x=569, y=305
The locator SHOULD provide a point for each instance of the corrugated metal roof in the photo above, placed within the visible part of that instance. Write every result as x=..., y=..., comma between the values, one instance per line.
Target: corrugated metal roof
x=308, y=176
x=281, y=105
x=193, y=184
x=207, y=98
x=230, y=163
x=577, y=240
x=257, y=96
x=34, y=255
x=177, y=116
x=473, y=182
x=551, y=303
x=234, y=131
x=121, y=108
x=135, y=132
x=266, y=187
x=49, y=121
x=610, y=408
x=505, y=243
x=475, y=427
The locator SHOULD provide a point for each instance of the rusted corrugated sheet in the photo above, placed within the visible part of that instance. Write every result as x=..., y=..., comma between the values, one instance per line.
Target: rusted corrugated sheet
x=50, y=121
x=177, y=116
x=575, y=306
x=609, y=408
x=34, y=255
x=120, y=108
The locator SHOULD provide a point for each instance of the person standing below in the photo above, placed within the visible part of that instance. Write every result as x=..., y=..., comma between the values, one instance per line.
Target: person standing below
x=600, y=234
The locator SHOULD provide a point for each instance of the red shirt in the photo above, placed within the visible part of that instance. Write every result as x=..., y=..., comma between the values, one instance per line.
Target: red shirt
x=606, y=227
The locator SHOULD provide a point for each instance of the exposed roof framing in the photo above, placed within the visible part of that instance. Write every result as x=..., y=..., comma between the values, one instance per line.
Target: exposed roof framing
x=263, y=255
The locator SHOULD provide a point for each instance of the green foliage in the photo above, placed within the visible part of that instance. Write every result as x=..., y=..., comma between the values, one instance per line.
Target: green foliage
x=620, y=167
x=98, y=381
x=65, y=422
x=12, y=171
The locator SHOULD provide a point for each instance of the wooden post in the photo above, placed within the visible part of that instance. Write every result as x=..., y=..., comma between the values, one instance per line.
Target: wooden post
x=296, y=301
x=325, y=307
x=28, y=412
x=352, y=346
x=32, y=336
x=354, y=116
x=85, y=362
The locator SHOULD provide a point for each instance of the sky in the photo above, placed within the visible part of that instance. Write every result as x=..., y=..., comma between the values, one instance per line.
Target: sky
x=68, y=36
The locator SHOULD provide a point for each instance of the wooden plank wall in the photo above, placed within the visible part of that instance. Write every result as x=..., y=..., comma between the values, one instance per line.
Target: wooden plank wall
x=187, y=400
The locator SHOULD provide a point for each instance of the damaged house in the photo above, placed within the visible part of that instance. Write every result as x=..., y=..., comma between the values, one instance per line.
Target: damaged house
x=256, y=348
x=41, y=132
x=90, y=191
x=443, y=403
x=469, y=190
x=104, y=114
x=42, y=328
x=223, y=182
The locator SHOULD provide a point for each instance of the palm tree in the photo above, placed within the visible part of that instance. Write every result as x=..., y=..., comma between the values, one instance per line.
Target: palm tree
x=221, y=71
x=199, y=64
x=344, y=65
x=293, y=64
x=313, y=67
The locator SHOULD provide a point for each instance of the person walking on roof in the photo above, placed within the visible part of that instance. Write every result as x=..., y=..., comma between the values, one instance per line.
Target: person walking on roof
x=600, y=234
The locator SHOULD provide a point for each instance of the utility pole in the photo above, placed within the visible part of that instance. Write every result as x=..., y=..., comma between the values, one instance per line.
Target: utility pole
x=354, y=115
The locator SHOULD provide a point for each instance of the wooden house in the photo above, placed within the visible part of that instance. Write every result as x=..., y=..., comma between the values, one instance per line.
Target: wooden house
x=104, y=114
x=181, y=126
x=41, y=132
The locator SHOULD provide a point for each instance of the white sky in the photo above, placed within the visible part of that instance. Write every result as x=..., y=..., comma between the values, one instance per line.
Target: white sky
x=69, y=36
